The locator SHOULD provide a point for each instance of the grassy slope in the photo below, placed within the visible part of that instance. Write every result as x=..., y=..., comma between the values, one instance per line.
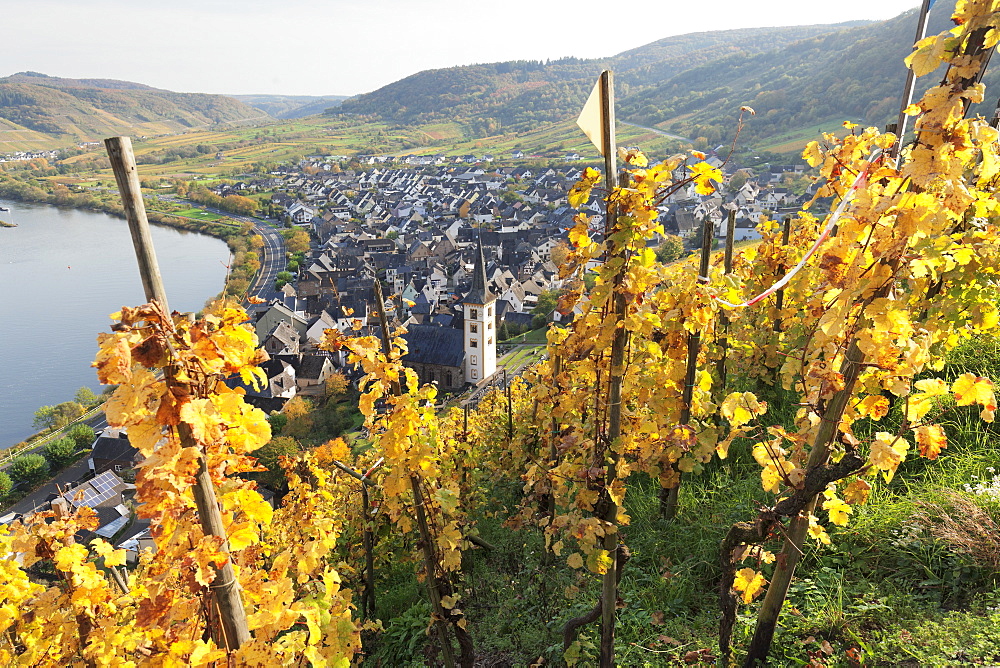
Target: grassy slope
x=886, y=590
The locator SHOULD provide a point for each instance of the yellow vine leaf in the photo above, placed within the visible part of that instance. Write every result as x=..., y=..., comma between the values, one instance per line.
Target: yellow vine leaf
x=703, y=174
x=817, y=532
x=112, y=557
x=874, y=406
x=575, y=560
x=741, y=407
x=838, y=510
x=856, y=493
x=887, y=453
x=970, y=389
x=920, y=403
x=931, y=440
x=926, y=55
x=749, y=583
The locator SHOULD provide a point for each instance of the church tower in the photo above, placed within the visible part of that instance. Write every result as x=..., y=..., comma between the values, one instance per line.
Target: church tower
x=479, y=332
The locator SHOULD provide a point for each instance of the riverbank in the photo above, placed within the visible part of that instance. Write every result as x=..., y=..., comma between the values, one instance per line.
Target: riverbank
x=236, y=236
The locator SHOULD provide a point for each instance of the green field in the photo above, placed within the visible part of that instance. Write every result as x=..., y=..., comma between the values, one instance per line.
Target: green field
x=199, y=214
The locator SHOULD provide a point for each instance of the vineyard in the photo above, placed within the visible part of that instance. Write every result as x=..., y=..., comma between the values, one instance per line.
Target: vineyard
x=722, y=425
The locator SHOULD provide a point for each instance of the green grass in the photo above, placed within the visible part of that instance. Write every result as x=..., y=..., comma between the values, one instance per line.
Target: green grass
x=198, y=214
x=887, y=592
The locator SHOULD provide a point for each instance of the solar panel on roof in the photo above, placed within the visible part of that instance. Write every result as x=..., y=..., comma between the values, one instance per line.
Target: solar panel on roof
x=111, y=528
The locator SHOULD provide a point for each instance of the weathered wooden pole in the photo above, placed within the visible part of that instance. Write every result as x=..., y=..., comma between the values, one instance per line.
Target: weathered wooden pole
x=609, y=585
x=779, y=296
x=225, y=589
x=727, y=267
x=669, y=496
x=910, y=81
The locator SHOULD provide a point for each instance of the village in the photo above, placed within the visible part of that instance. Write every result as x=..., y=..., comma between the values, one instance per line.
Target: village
x=418, y=223
x=467, y=254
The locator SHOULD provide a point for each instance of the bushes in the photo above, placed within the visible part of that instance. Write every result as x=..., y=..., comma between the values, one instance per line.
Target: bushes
x=82, y=435
x=5, y=484
x=30, y=469
x=60, y=451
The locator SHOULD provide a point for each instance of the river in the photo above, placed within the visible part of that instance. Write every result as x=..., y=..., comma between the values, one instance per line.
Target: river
x=62, y=272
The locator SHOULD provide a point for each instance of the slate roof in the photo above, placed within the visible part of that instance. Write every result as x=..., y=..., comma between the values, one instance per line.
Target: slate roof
x=114, y=449
x=430, y=344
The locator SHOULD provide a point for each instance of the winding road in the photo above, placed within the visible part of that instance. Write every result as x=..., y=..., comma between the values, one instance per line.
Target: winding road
x=658, y=131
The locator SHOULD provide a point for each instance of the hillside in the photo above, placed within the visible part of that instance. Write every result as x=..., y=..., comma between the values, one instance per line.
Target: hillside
x=799, y=79
x=292, y=106
x=61, y=111
x=520, y=95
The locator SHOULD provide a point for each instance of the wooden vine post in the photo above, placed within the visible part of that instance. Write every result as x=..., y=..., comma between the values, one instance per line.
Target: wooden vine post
x=974, y=55
x=609, y=584
x=440, y=615
x=669, y=496
x=225, y=588
x=727, y=267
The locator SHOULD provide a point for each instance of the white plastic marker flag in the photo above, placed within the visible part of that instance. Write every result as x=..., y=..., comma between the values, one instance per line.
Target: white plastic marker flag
x=859, y=182
x=590, y=118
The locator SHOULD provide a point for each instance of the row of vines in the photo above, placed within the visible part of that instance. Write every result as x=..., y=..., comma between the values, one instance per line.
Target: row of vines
x=908, y=273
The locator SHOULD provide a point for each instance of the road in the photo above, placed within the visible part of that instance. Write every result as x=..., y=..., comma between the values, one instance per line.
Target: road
x=657, y=131
x=273, y=258
x=67, y=478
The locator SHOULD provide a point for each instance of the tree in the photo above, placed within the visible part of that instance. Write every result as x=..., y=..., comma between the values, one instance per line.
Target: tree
x=737, y=180
x=546, y=304
x=336, y=385
x=58, y=416
x=6, y=484
x=299, y=421
x=269, y=456
x=296, y=240
x=670, y=249
x=60, y=451
x=29, y=469
x=82, y=434
x=85, y=397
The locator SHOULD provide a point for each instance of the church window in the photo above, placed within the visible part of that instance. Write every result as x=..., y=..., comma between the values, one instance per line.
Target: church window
x=474, y=359
x=473, y=328
x=489, y=311
x=475, y=374
x=474, y=314
x=489, y=325
x=450, y=379
x=490, y=342
x=473, y=343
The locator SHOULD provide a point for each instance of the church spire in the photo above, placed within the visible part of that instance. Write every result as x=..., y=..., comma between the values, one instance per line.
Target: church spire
x=480, y=292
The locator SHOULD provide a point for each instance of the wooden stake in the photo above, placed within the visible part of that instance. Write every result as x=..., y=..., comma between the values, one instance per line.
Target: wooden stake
x=669, y=496
x=910, y=80
x=609, y=585
x=225, y=588
x=727, y=266
x=779, y=296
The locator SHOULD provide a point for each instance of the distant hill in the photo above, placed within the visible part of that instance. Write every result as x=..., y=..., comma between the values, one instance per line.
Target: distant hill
x=798, y=79
x=38, y=109
x=519, y=95
x=292, y=106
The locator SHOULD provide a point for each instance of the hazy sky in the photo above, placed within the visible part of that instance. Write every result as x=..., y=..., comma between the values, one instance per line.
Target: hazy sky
x=331, y=47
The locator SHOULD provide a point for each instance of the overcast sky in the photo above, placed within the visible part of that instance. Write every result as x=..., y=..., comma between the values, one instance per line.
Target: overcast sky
x=344, y=47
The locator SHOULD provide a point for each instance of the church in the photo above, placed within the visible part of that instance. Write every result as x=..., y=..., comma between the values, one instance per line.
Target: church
x=463, y=354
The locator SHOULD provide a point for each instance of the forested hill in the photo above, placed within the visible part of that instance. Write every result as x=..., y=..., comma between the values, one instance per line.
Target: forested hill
x=521, y=94
x=799, y=79
x=43, y=108
x=292, y=106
